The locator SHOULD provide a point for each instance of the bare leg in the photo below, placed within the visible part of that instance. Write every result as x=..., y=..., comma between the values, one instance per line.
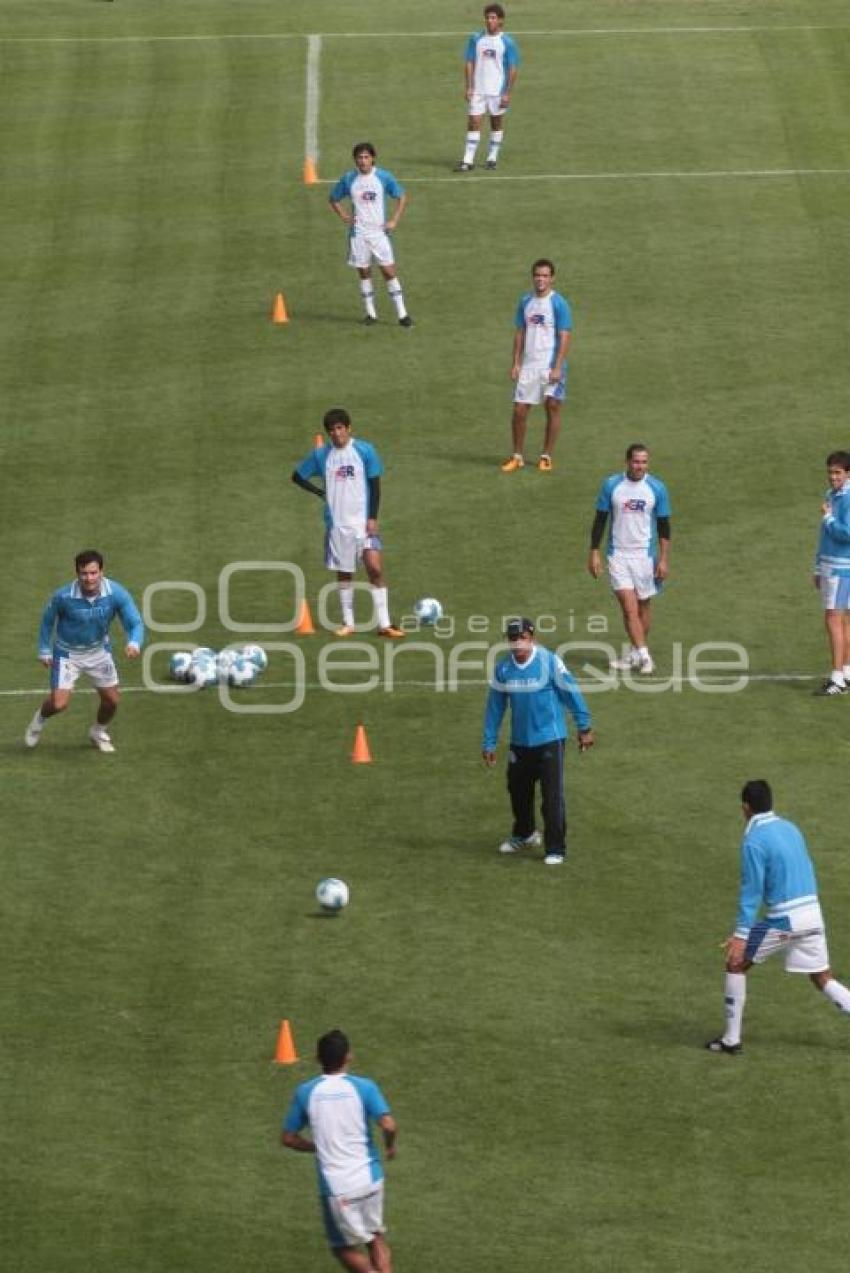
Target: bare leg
x=519, y=425
x=381, y=1254
x=553, y=424
x=627, y=598
x=109, y=699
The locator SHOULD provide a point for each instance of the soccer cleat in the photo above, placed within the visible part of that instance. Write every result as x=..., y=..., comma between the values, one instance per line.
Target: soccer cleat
x=717, y=1045
x=100, y=739
x=407, y=321
x=646, y=667
x=345, y=631
x=463, y=166
x=513, y=463
x=490, y=165
x=553, y=859
x=626, y=664
x=829, y=689
x=32, y=737
x=369, y=320
x=517, y=842
x=544, y=464
x=392, y=632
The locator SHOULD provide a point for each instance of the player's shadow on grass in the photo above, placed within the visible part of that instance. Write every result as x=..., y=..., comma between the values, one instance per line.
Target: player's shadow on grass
x=344, y=320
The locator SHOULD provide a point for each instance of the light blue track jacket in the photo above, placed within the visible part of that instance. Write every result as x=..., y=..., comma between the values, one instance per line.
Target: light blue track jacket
x=538, y=691
x=776, y=871
x=83, y=624
x=833, y=556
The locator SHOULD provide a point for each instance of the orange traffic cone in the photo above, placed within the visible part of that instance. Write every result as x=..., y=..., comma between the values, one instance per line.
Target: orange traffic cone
x=279, y=314
x=318, y=439
x=304, y=626
x=285, y=1050
x=311, y=174
x=361, y=754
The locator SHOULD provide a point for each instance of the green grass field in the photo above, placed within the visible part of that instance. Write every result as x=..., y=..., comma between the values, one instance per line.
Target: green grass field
x=538, y=1033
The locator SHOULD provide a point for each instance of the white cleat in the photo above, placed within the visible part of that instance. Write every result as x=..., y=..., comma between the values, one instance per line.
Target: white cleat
x=101, y=740
x=626, y=664
x=32, y=737
x=516, y=843
x=646, y=667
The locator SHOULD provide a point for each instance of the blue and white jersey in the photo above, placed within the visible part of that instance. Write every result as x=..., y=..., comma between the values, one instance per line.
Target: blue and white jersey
x=338, y=1108
x=82, y=623
x=833, y=555
x=538, y=691
x=368, y=194
x=492, y=56
x=776, y=872
x=634, y=508
x=543, y=319
x=345, y=472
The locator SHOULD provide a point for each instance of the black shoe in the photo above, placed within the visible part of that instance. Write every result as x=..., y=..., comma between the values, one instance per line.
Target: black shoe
x=717, y=1045
x=369, y=321
x=829, y=689
x=490, y=165
x=464, y=167
x=407, y=321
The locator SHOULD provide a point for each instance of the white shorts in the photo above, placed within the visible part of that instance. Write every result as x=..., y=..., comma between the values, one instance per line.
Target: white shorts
x=344, y=548
x=533, y=385
x=481, y=104
x=804, y=945
x=354, y=1221
x=633, y=573
x=835, y=592
x=363, y=246
x=98, y=666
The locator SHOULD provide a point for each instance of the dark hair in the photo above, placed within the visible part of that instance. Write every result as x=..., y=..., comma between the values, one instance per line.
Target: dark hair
x=336, y=415
x=543, y=261
x=494, y=8
x=363, y=147
x=757, y=795
x=331, y=1051
x=840, y=459
x=634, y=447
x=86, y=557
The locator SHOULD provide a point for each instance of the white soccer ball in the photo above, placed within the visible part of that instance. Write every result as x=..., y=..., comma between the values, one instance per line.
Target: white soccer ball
x=202, y=653
x=242, y=672
x=225, y=660
x=332, y=894
x=428, y=611
x=203, y=672
x=257, y=655
x=179, y=665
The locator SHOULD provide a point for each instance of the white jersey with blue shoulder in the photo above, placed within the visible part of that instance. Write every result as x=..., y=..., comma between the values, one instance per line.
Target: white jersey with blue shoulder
x=338, y=1108
x=368, y=193
x=346, y=472
x=492, y=56
x=544, y=319
x=634, y=508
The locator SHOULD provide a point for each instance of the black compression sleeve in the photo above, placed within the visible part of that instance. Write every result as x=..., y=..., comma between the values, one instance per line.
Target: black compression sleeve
x=307, y=486
x=597, y=530
x=663, y=524
x=374, y=497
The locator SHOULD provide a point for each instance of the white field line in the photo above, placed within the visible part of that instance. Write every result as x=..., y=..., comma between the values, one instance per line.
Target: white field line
x=659, y=175
x=566, y=32
x=442, y=686
x=311, y=107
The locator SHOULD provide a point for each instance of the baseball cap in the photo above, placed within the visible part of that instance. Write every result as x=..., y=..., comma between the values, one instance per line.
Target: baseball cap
x=515, y=628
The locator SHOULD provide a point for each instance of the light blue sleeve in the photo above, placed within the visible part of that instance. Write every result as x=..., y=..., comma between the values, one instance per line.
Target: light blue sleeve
x=296, y=1116
x=512, y=57
x=374, y=1101
x=342, y=189
x=752, y=888
x=838, y=524
x=48, y=618
x=563, y=314
x=371, y=459
x=471, y=48
x=391, y=187
x=313, y=465
x=128, y=613
x=570, y=695
x=662, y=499
x=519, y=317
x=494, y=712
x=606, y=490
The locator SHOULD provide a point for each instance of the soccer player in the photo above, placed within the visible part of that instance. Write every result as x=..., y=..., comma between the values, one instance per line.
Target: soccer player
x=490, y=68
x=338, y=1108
x=367, y=188
x=537, y=686
x=543, y=329
x=777, y=874
x=350, y=470
x=638, y=548
x=81, y=613
x=832, y=571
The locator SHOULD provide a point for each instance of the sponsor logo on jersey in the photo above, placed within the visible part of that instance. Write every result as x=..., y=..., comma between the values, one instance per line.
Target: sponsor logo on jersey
x=635, y=505
x=344, y=471
x=537, y=320
x=369, y=196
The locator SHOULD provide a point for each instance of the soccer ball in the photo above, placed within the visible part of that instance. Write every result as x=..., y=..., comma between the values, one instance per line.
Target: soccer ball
x=332, y=894
x=225, y=660
x=257, y=655
x=203, y=671
x=428, y=611
x=203, y=652
x=179, y=665
x=241, y=672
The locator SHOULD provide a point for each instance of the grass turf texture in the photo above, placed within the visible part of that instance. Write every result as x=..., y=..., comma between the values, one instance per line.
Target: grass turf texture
x=538, y=1033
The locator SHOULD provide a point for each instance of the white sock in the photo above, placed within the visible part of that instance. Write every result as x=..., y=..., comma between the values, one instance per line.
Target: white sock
x=472, y=140
x=367, y=292
x=641, y=651
x=382, y=612
x=99, y=729
x=838, y=677
x=346, y=601
x=37, y=721
x=395, y=294
x=846, y=673
x=735, y=996
x=839, y=994
x=495, y=145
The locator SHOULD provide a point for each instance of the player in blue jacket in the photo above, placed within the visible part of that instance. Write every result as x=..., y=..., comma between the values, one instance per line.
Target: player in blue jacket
x=537, y=686
x=359, y=199
x=81, y=614
x=777, y=876
x=832, y=571
x=490, y=68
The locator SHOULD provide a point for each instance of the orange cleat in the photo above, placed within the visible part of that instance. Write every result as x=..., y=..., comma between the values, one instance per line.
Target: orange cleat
x=513, y=463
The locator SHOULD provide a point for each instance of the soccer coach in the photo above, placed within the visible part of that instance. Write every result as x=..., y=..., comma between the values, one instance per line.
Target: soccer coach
x=538, y=687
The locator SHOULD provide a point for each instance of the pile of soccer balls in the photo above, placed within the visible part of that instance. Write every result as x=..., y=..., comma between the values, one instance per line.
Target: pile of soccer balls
x=236, y=665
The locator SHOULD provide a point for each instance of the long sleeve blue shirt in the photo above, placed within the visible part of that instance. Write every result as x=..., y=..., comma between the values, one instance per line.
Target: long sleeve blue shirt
x=833, y=555
x=537, y=691
x=82, y=623
x=776, y=871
